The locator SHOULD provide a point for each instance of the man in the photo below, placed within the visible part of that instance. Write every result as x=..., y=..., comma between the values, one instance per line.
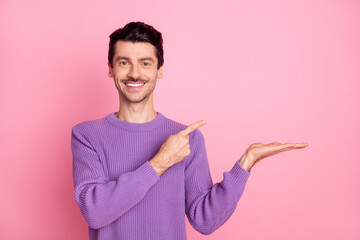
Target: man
x=137, y=173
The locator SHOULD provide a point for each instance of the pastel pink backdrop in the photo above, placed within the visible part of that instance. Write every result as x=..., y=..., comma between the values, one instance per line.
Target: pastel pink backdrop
x=264, y=71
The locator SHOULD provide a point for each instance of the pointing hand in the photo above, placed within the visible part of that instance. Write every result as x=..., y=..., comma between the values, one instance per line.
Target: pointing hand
x=175, y=148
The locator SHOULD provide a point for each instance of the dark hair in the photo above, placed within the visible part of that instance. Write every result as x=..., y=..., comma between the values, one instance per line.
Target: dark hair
x=137, y=32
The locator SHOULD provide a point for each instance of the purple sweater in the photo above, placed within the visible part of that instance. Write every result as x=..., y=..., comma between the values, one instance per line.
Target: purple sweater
x=121, y=196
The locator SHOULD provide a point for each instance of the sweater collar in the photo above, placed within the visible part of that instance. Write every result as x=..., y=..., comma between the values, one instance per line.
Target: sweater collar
x=136, y=127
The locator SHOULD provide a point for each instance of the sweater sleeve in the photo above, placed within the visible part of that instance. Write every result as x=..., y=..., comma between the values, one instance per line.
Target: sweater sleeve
x=209, y=206
x=100, y=200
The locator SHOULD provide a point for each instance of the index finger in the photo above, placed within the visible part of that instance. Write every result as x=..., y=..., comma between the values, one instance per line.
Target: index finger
x=291, y=146
x=192, y=127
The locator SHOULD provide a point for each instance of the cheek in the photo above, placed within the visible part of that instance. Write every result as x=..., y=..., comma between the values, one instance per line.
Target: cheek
x=154, y=77
x=156, y=74
x=120, y=74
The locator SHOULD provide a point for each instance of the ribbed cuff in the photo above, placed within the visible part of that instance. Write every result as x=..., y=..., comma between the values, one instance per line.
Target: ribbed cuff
x=239, y=177
x=147, y=175
x=241, y=174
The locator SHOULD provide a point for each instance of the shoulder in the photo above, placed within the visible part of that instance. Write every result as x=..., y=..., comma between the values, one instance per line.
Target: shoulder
x=175, y=125
x=195, y=136
x=89, y=127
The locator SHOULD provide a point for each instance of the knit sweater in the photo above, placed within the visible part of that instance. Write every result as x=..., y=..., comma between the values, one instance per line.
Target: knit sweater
x=121, y=196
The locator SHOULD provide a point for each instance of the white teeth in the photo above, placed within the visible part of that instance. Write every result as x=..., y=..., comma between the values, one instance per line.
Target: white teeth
x=134, y=85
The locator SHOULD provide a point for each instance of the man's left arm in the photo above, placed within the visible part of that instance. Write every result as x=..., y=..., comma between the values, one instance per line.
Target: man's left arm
x=209, y=206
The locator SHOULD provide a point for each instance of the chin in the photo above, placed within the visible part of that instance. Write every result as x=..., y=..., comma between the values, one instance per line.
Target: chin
x=136, y=100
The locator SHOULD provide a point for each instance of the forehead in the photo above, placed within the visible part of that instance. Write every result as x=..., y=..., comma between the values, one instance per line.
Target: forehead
x=134, y=50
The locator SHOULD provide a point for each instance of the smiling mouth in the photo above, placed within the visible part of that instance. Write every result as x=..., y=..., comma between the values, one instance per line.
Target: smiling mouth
x=134, y=84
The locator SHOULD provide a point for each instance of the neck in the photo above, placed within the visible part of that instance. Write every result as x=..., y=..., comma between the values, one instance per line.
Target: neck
x=142, y=112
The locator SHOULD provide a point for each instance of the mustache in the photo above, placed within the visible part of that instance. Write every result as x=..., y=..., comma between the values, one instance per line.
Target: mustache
x=130, y=79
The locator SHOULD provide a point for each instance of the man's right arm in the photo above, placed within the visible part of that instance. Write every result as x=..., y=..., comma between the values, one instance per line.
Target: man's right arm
x=100, y=200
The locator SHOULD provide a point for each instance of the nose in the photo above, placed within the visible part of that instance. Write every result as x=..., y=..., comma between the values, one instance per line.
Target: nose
x=134, y=72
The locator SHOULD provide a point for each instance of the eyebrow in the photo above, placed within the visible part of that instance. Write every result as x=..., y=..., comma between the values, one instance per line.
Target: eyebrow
x=128, y=59
x=146, y=59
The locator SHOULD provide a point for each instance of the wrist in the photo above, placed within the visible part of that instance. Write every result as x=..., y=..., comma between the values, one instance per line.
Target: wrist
x=245, y=162
x=156, y=164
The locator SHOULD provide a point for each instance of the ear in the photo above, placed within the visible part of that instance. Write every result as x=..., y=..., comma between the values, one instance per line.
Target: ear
x=111, y=73
x=160, y=72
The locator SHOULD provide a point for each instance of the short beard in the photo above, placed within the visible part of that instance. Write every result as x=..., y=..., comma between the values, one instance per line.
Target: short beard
x=130, y=79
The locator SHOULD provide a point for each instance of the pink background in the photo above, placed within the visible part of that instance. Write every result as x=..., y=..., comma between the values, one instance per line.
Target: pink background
x=257, y=71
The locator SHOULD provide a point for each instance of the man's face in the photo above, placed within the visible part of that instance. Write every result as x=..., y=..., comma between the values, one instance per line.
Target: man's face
x=135, y=70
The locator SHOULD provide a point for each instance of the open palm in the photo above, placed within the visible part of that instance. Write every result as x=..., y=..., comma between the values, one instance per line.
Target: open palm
x=258, y=151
